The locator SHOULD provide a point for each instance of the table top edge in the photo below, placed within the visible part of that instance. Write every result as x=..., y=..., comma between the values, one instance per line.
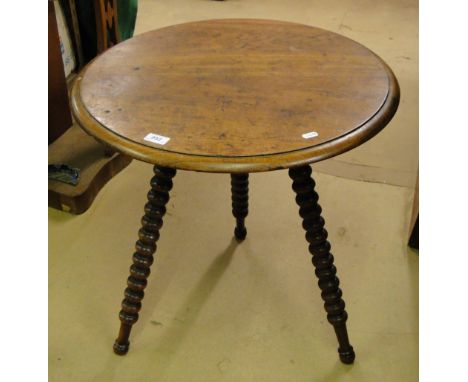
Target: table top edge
x=241, y=164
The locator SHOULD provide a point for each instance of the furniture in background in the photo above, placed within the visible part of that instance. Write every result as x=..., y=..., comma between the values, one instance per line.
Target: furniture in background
x=69, y=145
x=107, y=26
x=59, y=111
x=236, y=97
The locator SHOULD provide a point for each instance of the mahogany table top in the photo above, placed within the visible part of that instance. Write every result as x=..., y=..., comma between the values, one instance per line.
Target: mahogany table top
x=235, y=95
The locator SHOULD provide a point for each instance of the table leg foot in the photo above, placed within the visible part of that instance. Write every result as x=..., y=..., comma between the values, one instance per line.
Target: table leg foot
x=240, y=203
x=322, y=259
x=121, y=349
x=155, y=209
x=347, y=356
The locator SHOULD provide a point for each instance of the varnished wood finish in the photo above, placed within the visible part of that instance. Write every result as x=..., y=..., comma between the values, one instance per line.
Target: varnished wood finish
x=319, y=247
x=240, y=203
x=155, y=209
x=235, y=95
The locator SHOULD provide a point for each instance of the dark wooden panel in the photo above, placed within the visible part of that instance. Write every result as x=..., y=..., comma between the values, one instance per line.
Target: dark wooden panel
x=59, y=109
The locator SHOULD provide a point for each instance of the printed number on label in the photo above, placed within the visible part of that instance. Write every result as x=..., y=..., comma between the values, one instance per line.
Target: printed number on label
x=155, y=138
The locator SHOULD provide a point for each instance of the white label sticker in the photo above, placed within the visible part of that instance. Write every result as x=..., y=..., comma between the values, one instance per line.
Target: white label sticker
x=155, y=138
x=312, y=134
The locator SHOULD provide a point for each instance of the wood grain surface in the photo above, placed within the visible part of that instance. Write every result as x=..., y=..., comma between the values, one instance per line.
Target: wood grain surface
x=235, y=95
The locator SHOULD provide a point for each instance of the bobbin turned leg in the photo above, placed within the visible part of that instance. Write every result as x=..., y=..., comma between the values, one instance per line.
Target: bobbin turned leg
x=240, y=203
x=158, y=196
x=310, y=211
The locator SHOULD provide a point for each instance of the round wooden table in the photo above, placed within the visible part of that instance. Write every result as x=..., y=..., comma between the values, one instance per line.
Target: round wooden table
x=235, y=96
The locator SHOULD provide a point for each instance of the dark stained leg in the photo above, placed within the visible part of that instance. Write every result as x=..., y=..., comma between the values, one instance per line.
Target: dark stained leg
x=158, y=196
x=240, y=203
x=319, y=247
